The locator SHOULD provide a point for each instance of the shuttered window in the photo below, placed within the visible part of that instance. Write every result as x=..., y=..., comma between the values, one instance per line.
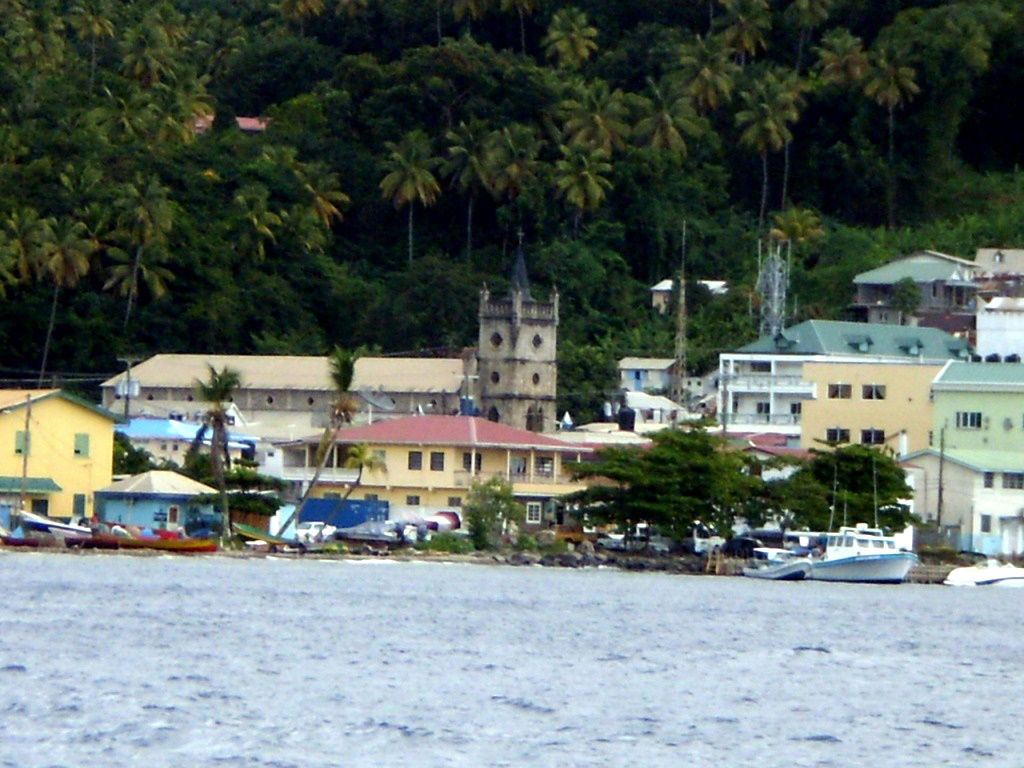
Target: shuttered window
x=81, y=444
x=22, y=444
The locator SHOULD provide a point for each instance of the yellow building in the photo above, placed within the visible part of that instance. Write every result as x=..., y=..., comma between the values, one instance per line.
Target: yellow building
x=431, y=462
x=878, y=403
x=56, y=449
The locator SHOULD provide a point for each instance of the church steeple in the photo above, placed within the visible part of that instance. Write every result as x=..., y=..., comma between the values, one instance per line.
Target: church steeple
x=520, y=280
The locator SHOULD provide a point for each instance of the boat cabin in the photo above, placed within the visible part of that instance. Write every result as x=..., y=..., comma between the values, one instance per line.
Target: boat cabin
x=861, y=540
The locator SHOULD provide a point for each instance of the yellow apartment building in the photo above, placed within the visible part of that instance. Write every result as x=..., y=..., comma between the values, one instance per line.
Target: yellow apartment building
x=55, y=451
x=870, y=403
x=432, y=461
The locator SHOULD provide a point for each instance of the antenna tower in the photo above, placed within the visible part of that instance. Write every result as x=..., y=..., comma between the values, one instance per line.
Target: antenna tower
x=772, y=285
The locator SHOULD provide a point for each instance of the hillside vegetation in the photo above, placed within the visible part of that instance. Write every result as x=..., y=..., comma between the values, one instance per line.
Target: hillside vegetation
x=412, y=143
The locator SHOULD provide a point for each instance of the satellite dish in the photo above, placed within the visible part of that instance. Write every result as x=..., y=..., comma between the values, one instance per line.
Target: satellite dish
x=378, y=400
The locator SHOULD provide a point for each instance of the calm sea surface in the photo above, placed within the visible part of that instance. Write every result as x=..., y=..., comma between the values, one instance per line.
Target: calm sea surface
x=125, y=661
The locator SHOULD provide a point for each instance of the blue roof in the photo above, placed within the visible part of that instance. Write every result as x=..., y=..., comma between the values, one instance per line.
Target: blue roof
x=171, y=429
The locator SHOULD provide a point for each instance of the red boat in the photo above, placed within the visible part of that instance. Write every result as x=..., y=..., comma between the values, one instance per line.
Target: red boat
x=155, y=542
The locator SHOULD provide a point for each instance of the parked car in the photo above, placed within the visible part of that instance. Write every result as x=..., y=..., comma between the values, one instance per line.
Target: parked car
x=741, y=546
x=702, y=540
x=312, y=531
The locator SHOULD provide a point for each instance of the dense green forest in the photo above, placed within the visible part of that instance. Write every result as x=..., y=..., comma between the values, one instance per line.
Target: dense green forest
x=410, y=142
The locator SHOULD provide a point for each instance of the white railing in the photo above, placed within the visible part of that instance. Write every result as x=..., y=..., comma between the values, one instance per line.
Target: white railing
x=782, y=419
x=756, y=383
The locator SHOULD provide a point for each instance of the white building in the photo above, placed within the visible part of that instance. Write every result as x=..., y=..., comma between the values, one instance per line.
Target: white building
x=1000, y=327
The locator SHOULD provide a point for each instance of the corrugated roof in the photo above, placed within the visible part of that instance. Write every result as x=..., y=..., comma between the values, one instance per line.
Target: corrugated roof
x=158, y=482
x=923, y=267
x=836, y=337
x=647, y=363
x=979, y=460
x=172, y=429
x=32, y=485
x=663, y=285
x=16, y=398
x=448, y=430
x=974, y=376
x=305, y=373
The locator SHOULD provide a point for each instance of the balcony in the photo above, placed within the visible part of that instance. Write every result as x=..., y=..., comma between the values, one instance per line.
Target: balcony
x=464, y=478
x=328, y=475
x=753, y=382
x=775, y=419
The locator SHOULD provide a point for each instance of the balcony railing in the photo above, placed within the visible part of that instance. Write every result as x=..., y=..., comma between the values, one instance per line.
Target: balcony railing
x=780, y=419
x=464, y=478
x=763, y=383
x=328, y=475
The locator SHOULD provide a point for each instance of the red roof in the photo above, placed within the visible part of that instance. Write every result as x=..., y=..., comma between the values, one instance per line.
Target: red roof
x=452, y=430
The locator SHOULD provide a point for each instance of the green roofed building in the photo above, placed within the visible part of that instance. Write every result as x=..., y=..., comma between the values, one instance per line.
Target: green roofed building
x=763, y=386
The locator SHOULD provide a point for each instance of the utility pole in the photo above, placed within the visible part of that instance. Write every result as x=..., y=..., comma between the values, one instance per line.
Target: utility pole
x=942, y=462
x=23, y=496
x=127, y=394
x=679, y=393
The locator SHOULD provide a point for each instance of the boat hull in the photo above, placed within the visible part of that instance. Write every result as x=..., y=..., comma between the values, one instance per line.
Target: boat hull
x=39, y=525
x=986, y=576
x=794, y=570
x=885, y=568
x=104, y=540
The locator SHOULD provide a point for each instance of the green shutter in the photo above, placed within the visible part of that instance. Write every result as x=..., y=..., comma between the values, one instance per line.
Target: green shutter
x=21, y=443
x=81, y=444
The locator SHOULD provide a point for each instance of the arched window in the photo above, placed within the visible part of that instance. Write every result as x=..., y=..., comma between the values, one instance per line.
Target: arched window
x=493, y=415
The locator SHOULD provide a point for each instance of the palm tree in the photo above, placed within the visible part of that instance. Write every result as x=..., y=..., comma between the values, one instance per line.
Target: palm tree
x=324, y=193
x=808, y=14
x=513, y=152
x=300, y=10
x=218, y=389
x=581, y=178
x=474, y=9
x=24, y=234
x=841, y=58
x=146, y=216
x=254, y=220
x=469, y=167
x=341, y=364
x=521, y=7
x=410, y=178
x=126, y=273
x=668, y=115
x=361, y=458
x=35, y=40
x=746, y=31
x=797, y=225
x=65, y=262
x=791, y=89
x=147, y=54
x=597, y=116
x=763, y=120
x=890, y=84
x=707, y=71
x=91, y=21
x=570, y=38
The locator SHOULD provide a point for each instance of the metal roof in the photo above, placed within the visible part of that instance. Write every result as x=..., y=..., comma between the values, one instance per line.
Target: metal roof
x=871, y=340
x=974, y=376
x=158, y=482
x=979, y=460
x=32, y=485
x=923, y=267
x=646, y=363
x=11, y=399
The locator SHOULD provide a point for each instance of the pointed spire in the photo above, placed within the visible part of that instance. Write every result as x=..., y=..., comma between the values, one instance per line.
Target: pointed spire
x=520, y=280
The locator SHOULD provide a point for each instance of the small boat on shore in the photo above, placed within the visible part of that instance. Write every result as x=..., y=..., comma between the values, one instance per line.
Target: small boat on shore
x=778, y=565
x=182, y=545
x=988, y=573
x=862, y=554
x=34, y=524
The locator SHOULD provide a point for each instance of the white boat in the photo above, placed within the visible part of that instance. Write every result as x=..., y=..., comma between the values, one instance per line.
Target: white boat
x=778, y=565
x=987, y=573
x=862, y=554
x=40, y=524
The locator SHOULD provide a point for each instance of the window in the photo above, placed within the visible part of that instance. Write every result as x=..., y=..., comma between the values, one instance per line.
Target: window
x=837, y=435
x=968, y=419
x=533, y=513
x=518, y=465
x=467, y=461
x=838, y=391
x=1014, y=480
x=437, y=461
x=545, y=466
x=764, y=408
x=495, y=377
x=78, y=505
x=795, y=408
x=872, y=392
x=41, y=506
x=986, y=523
x=760, y=366
x=454, y=501
x=412, y=501
x=989, y=479
x=81, y=444
x=172, y=514
x=22, y=443
x=370, y=497
x=496, y=339
x=415, y=460
x=872, y=436
x=536, y=378
x=537, y=340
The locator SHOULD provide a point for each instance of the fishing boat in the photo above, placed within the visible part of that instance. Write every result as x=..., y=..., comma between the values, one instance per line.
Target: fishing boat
x=256, y=534
x=37, y=525
x=778, y=565
x=862, y=554
x=183, y=545
x=988, y=573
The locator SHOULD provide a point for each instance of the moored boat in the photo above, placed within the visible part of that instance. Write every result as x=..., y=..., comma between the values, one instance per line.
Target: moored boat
x=185, y=545
x=862, y=554
x=987, y=573
x=778, y=565
x=34, y=524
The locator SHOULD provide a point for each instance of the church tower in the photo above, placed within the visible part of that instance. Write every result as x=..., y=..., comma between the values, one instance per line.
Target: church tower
x=517, y=355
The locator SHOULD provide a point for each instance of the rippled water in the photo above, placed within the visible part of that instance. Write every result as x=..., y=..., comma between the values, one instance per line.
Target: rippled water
x=127, y=661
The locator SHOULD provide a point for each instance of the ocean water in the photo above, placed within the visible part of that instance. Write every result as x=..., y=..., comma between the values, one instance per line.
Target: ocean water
x=113, y=661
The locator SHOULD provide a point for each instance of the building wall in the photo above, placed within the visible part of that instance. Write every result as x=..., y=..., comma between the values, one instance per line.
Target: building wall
x=1001, y=421
x=163, y=512
x=1000, y=333
x=905, y=410
x=517, y=368
x=53, y=426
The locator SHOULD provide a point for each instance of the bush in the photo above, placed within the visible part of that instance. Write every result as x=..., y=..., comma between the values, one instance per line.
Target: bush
x=526, y=544
x=446, y=542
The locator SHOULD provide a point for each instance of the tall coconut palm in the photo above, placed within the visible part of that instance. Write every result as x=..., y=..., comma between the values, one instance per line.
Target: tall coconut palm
x=127, y=274
x=301, y=10
x=217, y=390
x=668, y=115
x=749, y=23
x=35, y=39
x=469, y=168
x=92, y=23
x=841, y=58
x=581, y=178
x=570, y=38
x=65, y=261
x=707, y=72
x=513, y=154
x=148, y=55
x=791, y=89
x=522, y=8
x=598, y=116
x=766, y=110
x=410, y=175
x=797, y=226
x=254, y=221
x=808, y=15
x=890, y=84
x=343, y=407
x=323, y=192
x=25, y=233
x=146, y=217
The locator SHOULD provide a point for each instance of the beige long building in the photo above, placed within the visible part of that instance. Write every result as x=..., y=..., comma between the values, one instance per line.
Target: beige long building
x=871, y=403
